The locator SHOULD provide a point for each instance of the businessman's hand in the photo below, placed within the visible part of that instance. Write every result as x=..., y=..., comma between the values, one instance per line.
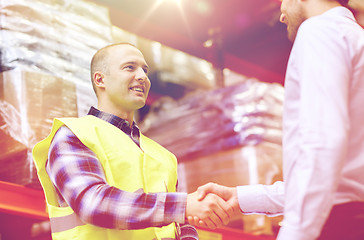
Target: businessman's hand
x=212, y=210
x=228, y=194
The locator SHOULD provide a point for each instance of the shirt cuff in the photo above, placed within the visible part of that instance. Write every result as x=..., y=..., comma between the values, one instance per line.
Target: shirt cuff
x=250, y=198
x=262, y=199
x=176, y=207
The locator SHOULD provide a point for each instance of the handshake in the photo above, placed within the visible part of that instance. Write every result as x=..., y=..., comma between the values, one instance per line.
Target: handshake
x=212, y=206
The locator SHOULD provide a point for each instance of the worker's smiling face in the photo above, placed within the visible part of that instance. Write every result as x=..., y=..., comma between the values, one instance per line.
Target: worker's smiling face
x=126, y=82
x=292, y=14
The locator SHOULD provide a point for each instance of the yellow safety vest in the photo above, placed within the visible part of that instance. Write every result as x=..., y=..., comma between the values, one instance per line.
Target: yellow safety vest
x=128, y=167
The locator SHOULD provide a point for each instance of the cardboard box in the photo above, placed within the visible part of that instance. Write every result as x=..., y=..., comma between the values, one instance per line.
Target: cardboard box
x=57, y=37
x=246, y=165
x=29, y=103
x=39, y=98
x=259, y=164
x=14, y=140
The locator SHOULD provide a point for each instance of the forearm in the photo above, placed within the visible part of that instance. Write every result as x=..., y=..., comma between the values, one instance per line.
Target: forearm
x=113, y=208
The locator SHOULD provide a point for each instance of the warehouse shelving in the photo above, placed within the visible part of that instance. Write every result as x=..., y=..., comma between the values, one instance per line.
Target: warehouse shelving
x=22, y=201
x=20, y=208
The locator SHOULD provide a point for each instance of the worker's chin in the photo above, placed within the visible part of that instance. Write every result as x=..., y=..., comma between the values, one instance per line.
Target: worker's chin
x=139, y=104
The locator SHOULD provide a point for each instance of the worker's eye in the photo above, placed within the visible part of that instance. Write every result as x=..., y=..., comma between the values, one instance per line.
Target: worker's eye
x=129, y=67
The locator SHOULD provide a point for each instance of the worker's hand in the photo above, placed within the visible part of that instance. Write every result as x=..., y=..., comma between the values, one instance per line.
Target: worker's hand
x=228, y=194
x=212, y=211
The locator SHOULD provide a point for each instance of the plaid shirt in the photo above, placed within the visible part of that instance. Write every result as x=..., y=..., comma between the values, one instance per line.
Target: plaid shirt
x=80, y=183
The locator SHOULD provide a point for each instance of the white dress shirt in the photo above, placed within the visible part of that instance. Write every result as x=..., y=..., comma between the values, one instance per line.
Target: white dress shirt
x=323, y=128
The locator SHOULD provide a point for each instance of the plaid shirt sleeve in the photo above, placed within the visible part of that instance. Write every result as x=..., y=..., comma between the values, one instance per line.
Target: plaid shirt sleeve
x=80, y=182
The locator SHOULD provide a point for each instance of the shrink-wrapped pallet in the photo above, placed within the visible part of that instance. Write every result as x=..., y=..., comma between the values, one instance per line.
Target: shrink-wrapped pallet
x=231, y=136
x=55, y=37
x=204, y=122
x=29, y=102
x=45, y=52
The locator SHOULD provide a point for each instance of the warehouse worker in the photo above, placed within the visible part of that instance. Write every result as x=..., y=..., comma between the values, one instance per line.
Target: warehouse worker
x=322, y=196
x=102, y=178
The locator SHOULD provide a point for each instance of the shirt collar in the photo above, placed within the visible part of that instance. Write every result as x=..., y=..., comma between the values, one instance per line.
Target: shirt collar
x=340, y=11
x=118, y=122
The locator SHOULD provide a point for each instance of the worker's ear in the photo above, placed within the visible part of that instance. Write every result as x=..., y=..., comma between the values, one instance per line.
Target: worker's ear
x=99, y=79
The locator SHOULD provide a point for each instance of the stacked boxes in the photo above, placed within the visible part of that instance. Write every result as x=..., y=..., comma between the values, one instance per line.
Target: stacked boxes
x=38, y=98
x=46, y=48
x=15, y=166
x=45, y=51
x=243, y=114
x=57, y=37
x=30, y=101
x=231, y=136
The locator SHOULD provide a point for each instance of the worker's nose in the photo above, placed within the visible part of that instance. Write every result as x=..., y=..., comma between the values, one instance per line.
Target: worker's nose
x=141, y=74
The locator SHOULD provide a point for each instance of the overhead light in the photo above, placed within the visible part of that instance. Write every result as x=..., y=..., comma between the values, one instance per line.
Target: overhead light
x=208, y=43
x=176, y=1
x=203, y=7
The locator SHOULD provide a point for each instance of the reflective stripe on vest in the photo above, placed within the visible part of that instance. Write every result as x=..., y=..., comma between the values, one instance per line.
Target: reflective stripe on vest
x=60, y=224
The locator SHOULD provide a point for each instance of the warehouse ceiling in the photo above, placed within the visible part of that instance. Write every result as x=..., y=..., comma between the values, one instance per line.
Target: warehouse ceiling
x=246, y=35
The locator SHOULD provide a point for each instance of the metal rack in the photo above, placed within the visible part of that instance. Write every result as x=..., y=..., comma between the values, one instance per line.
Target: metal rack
x=22, y=201
x=20, y=208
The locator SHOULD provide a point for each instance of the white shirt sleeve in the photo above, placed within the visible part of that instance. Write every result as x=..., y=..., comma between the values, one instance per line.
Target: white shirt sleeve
x=262, y=199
